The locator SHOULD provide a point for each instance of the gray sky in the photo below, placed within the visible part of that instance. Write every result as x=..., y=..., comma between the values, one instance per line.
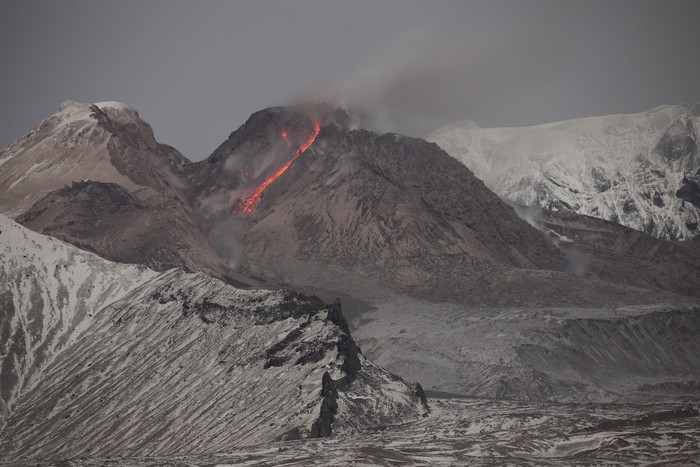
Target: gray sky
x=196, y=70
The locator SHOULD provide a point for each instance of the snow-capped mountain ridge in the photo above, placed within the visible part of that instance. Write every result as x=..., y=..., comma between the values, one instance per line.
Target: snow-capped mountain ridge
x=93, y=352
x=624, y=168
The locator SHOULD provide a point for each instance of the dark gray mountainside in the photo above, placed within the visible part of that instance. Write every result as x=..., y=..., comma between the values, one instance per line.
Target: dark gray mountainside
x=107, y=219
x=364, y=213
x=614, y=252
x=690, y=192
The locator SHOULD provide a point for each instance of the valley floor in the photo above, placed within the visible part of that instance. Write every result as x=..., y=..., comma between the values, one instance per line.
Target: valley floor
x=461, y=431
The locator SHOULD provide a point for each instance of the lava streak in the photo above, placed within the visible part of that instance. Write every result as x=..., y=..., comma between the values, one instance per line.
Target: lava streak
x=253, y=199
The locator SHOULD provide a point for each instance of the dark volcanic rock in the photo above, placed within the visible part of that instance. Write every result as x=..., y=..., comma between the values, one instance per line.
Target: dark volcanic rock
x=250, y=155
x=364, y=214
x=395, y=208
x=678, y=142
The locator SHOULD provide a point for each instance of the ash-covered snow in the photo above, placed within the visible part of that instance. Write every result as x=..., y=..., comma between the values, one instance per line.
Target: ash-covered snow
x=114, y=104
x=469, y=431
x=119, y=112
x=622, y=168
x=105, y=359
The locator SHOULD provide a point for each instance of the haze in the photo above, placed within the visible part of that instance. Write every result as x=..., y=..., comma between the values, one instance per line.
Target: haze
x=196, y=70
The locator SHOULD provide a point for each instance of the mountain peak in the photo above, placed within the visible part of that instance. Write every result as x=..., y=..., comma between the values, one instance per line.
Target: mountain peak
x=114, y=105
x=119, y=112
x=71, y=112
x=70, y=104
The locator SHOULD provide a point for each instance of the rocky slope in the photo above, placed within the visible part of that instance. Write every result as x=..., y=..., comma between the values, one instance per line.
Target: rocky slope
x=94, y=175
x=638, y=170
x=486, y=432
x=628, y=354
x=368, y=215
x=614, y=252
x=105, y=359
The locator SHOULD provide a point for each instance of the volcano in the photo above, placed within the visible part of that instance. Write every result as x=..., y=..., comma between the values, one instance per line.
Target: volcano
x=441, y=282
x=253, y=199
x=370, y=215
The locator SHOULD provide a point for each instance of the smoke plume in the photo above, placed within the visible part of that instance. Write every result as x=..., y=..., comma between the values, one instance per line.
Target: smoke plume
x=227, y=241
x=415, y=84
x=578, y=260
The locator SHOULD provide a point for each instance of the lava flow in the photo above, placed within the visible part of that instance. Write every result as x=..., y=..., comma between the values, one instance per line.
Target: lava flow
x=253, y=199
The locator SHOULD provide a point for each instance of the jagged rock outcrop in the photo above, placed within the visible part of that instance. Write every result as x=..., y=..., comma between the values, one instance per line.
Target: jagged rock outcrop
x=106, y=359
x=690, y=192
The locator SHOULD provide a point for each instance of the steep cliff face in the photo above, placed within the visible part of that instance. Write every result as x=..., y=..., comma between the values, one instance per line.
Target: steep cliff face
x=104, y=359
x=636, y=170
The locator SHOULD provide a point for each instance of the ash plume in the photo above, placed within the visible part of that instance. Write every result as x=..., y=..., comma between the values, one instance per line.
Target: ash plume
x=417, y=83
x=577, y=259
x=533, y=215
x=227, y=241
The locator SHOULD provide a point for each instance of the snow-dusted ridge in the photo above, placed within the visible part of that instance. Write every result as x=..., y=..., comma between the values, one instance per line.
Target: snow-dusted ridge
x=68, y=146
x=624, y=168
x=486, y=432
x=106, y=359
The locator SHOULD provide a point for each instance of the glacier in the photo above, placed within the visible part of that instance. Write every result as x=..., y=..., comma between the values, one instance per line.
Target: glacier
x=622, y=168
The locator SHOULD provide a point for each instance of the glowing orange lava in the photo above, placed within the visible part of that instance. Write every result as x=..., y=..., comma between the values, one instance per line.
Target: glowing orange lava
x=253, y=199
